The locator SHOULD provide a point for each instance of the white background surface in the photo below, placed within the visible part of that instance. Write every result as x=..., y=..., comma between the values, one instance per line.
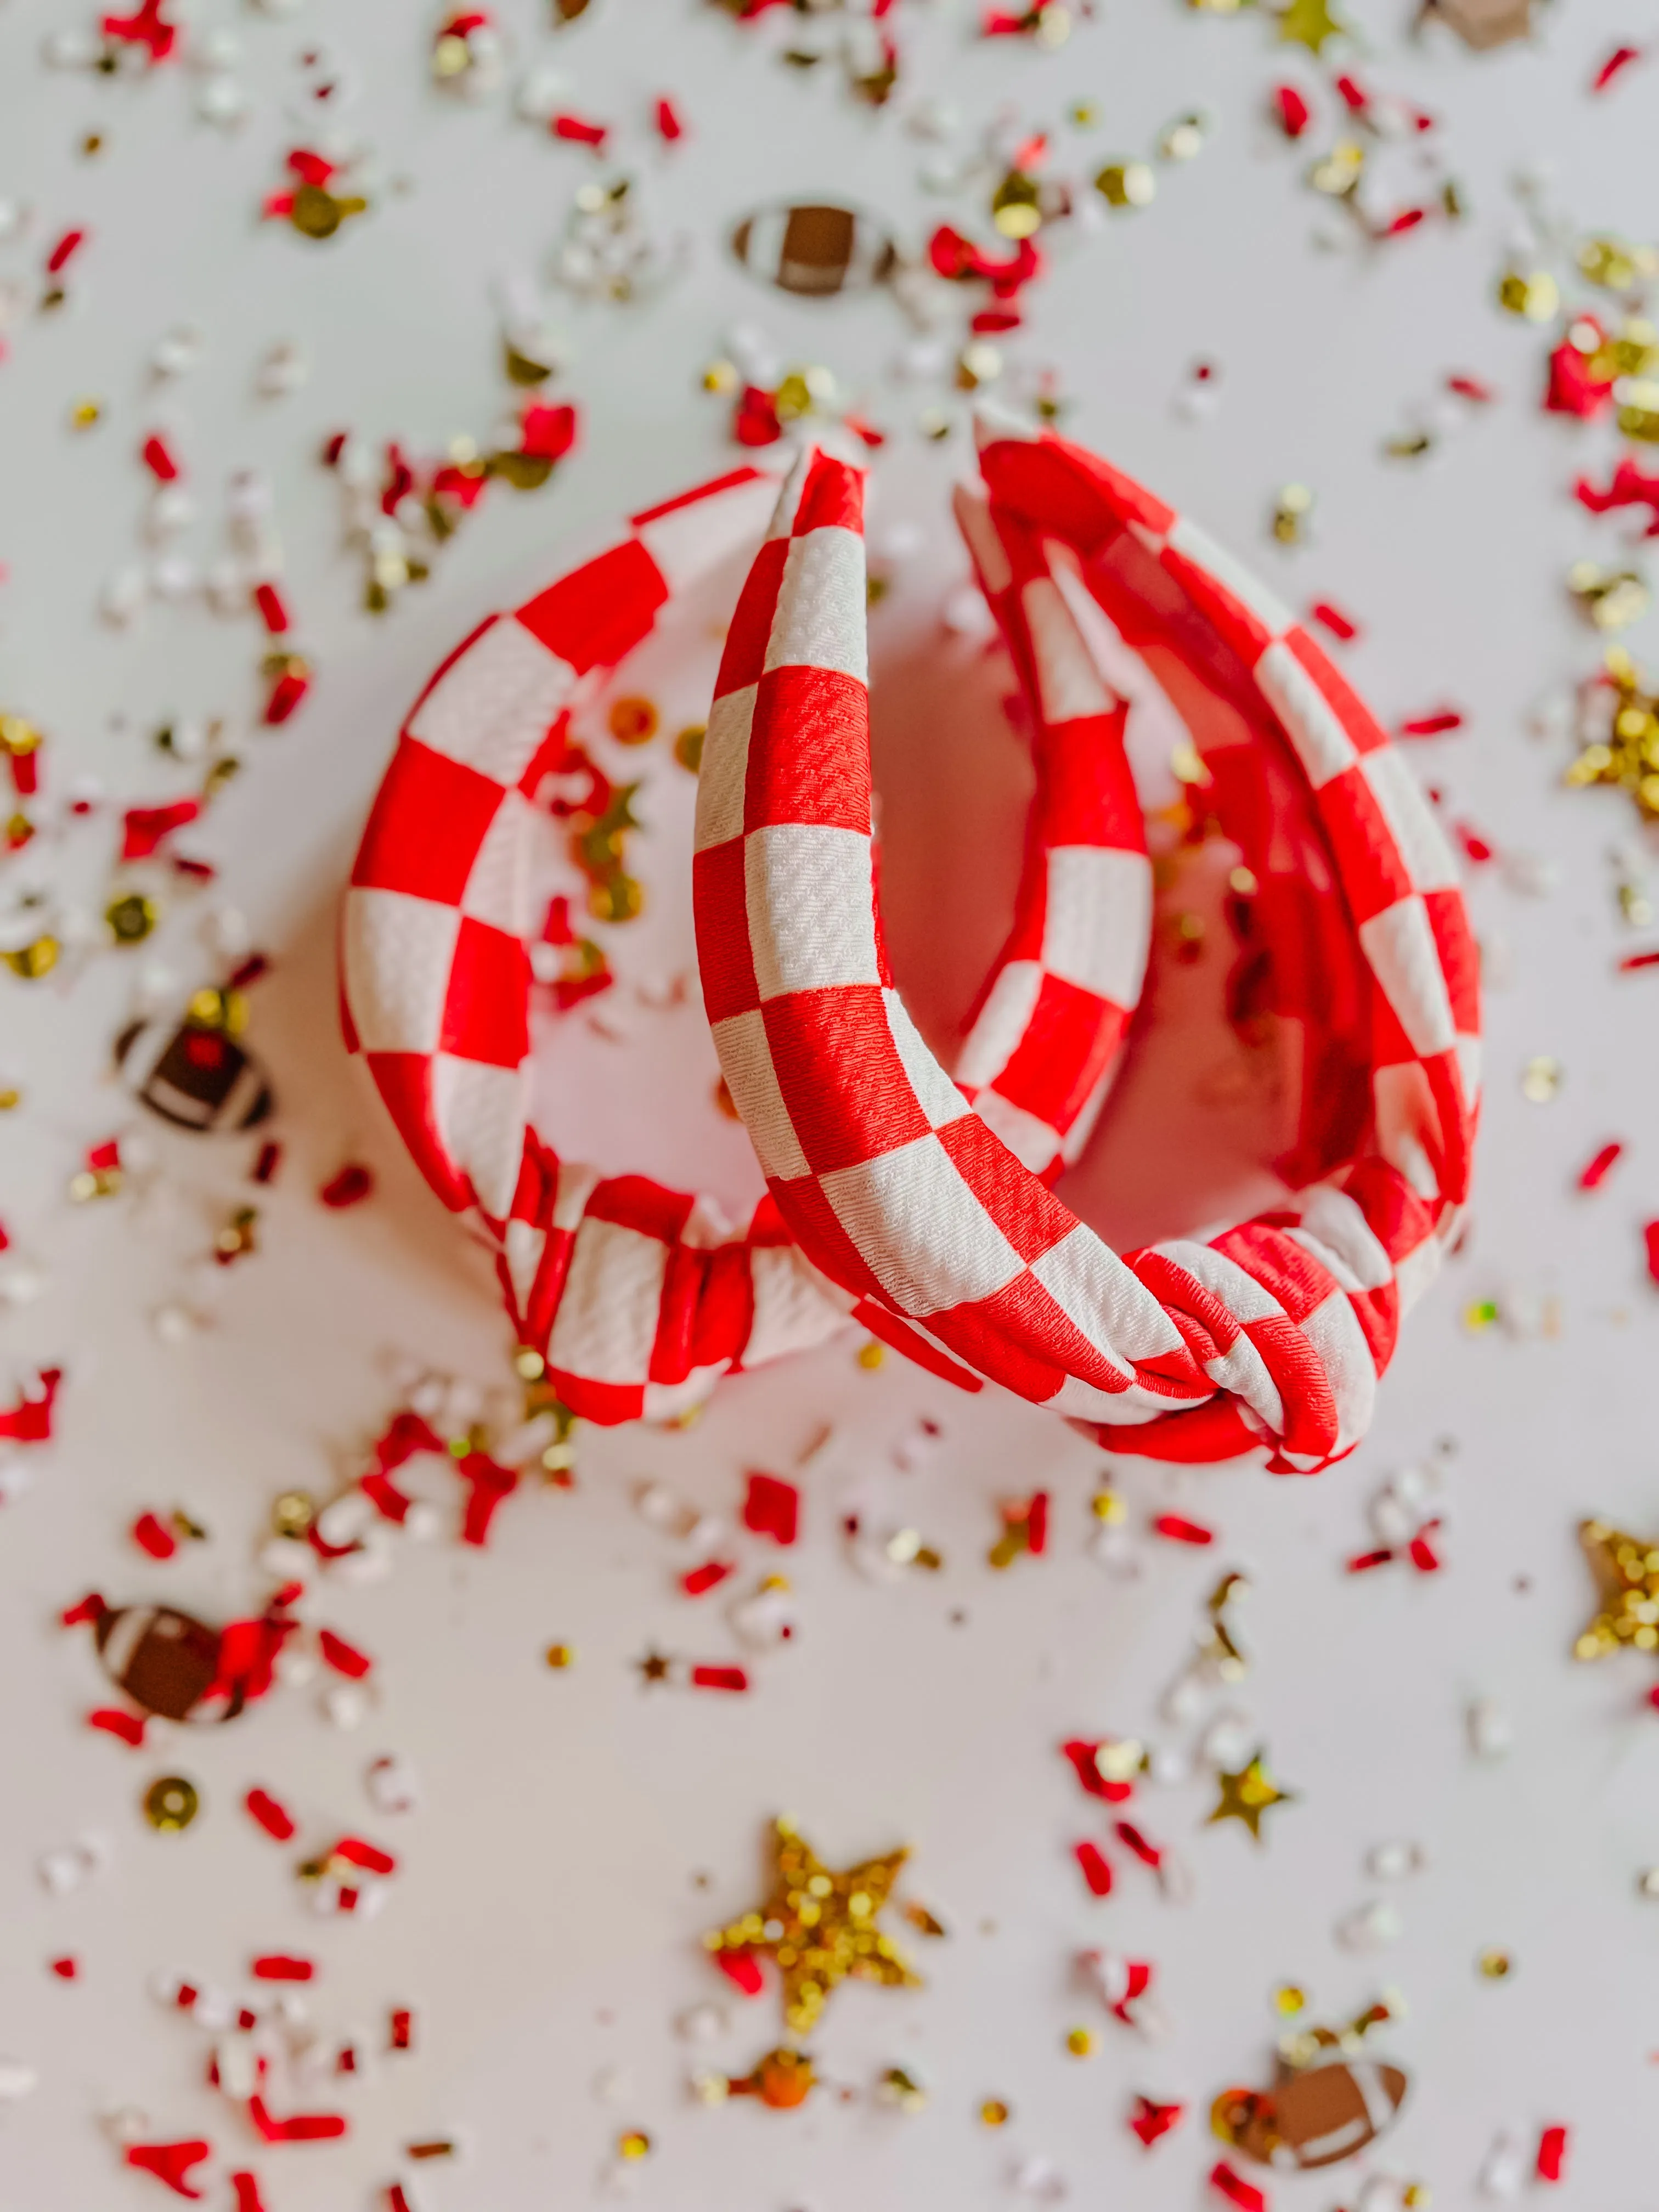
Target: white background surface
x=577, y=1836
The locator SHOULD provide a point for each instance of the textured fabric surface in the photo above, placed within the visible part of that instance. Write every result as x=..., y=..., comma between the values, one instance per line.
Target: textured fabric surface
x=640, y=1297
x=1274, y=1333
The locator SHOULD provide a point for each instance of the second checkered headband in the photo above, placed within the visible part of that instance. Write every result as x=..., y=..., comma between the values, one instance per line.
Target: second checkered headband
x=1273, y=1334
x=638, y=1297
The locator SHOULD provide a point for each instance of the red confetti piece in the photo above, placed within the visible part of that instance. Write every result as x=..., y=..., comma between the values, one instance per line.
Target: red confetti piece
x=273, y=1818
x=1472, y=388
x=146, y=27
x=1475, y=847
x=1363, y=1562
x=1421, y=1552
x=349, y=1187
x=1096, y=1868
x=171, y=2163
x=272, y=608
x=709, y=1575
x=1150, y=2120
x=1552, y=2161
x=344, y=1658
x=1180, y=1531
x=488, y=1485
x=157, y=457
x=718, y=1678
x=1132, y=1839
x=110, y=1720
x=153, y=1536
x=1650, y=1239
x=301, y=2127
x=578, y=130
x=1036, y=1523
x=279, y=1967
x=384, y=1495
x=772, y=1508
x=743, y=1970
x=669, y=125
x=1595, y=1172
x=65, y=251
x=286, y=694
x=90, y=1607
x=1396, y=226
x=67, y=1969
x=401, y=2035
x=1633, y=961
x=548, y=433
x=248, y=2198
x=1236, y=2190
x=1084, y=1757
x=756, y=421
x=1630, y=485
x=1431, y=725
x=29, y=1421
x=1333, y=619
x=1615, y=66
x=270, y=1159
x=369, y=1856
x=1354, y=96
x=1573, y=386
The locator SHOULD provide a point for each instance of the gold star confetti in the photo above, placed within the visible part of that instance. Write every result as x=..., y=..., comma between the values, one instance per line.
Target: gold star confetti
x=1628, y=1573
x=1308, y=23
x=820, y=1927
x=1629, y=754
x=653, y=1667
x=1247, y=1795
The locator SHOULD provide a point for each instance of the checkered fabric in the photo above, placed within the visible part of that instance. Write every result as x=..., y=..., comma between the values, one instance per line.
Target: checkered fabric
x=1272, y=1332
x=640, y=1297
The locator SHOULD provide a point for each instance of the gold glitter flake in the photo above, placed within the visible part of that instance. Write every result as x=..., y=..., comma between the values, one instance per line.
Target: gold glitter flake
x=1495, y=1965
x=1537, y=297
x=1541, y=1079
x=171, y=1804
x=994, y=2112
x=293, y=1515
x=1082, y=2042
x=130, y=917
x=1289, y=1999
x=634, y=2145
x=1612, y=597
x=1627, y=1572
x=819, y=1927
x=1290, y=512
x=34, y=960
x=1127, y=184
x=1246, y=1795
x=871, y=1355
x=1310, y=23
x=687, y=747
x=561, y=1657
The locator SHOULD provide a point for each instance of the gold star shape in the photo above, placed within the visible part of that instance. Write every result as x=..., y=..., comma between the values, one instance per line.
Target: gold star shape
x=1627, y=1571
x=1308, y=23
x=1246, y=1795
x=653, y=1667
x=818, y=1926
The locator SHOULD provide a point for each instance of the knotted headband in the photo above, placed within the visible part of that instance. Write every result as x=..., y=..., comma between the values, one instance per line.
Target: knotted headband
x=1272, y=1332
x=640, y=1297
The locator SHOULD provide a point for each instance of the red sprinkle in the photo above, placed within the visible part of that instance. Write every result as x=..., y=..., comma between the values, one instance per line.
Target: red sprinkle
x=709, y=1575
x=718, y=1678
x=1132, y=1839
x=129, y=1727
x=1363, y=1562
x=286, y=694
x=669, y=125
x=772, y=1508
x=1333, y=619
x=369, y=1856
x=401, y=2035
x=743, y=1970
x=153, y=1536
x=1293, y=111
x=1633, y=961
x=1150, y=2120
x=301, y=2127
x=344, y=1658
x=270, y=1159
x=170, y=2163
x=67, y=1968
x=272, y=609
x=350, y=1186
x=278, y=1966
x=1096, y=1868
x=1471, y=387
x=1236, y=2190
x=273, y=1818
x=248, y=2198
x=1650, y=1238
x=65, y=251
x=1180, y=1531
x=1552, y=2154
x=1595, y=1172
x=1084, y=1757
x=1615, y=66
x=1431, y=725
x=580, y=131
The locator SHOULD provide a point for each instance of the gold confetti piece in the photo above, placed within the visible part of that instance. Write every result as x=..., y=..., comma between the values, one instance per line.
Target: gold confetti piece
x=632, y=721
x=528, y=1365
x=923, y=1921
x=237, y=1238
x=1416, y=2196
x=1639, y=410
x=1289, y=1999
x=1495, y=1965
x=1541, y=1079
x=1310, y=23
x=1246, y=1795
x=1627, y=1572
x=171, y=1804
x=994, y=2113
x=85, y=413
x=902, y=2089
x=1290, y=512
x=979, y=362
x=871, y=1355
x=618, y=898
x=94, y=1183
x=1083, y=114
x=561, y=1657
x=1338, y=172
x=1183, y=140
x=1106, y=1505
x=1611, y=597
x=633, y=2145
x=293, y=1515
x=1082, y=2042
x=818, y=1926
x=130, y=917
x=653, y=1667
x=10, y=1099
x=687, y=747
x=1016, y=205
x=783, y=2080
x=33, y=961
x=1538, y=297
x=1127, y=184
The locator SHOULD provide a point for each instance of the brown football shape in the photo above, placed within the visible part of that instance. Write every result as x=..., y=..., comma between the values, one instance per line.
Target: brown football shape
x=193, y=1076
x=166, y=1662
x=814, y=250
x=1321, y=2115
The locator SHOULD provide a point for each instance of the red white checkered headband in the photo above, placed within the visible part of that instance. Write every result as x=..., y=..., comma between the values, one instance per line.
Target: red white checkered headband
x=640, y=1297
x=1271, y=1333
